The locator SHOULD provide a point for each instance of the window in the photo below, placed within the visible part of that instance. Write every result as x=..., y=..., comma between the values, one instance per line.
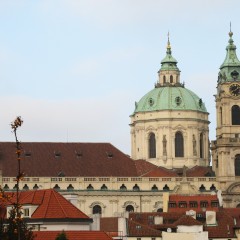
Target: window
x=70, y=187
x=182, y=205
x=220, y=115
x=193, y=204
x=172, y=204
x=202, y=188
x=90, y=187
x=214, y=204
x=56, y=187
x=35, y=187
x=235, y=115
x=164, y=79
x=26, y=212
x=160, y=210
x=136, y=187
x=104, y=187
x=237, y=165
x=152, y=145
x=154, y=188
x=203, y=204
x=25, y=187
x=123, y=188
x=97, y=209
x=213, y=188
x=179, y=143
x=201, y=146
x=138, y=238
x=171, y=79
x=129, y=208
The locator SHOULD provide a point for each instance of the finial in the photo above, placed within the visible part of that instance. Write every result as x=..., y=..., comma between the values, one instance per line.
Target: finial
x=168, y=43
x=230, y=33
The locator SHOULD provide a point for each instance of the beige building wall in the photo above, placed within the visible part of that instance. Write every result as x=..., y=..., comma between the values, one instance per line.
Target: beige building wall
x=165, y=124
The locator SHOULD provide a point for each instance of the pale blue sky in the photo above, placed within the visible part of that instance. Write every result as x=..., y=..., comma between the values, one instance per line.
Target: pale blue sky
x=73, y=69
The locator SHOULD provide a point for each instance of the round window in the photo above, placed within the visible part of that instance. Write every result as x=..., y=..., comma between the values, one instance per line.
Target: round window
x=151, y=101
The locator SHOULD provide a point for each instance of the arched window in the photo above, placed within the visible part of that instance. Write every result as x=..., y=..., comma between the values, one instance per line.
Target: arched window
x=97, y=209
x=35, y=187
x=160, y=210
x=136, y=188
x=104, y=187
x=202, y=188
x=235, y=115
x=164, y=79
x=152, y=145
x=154, y=188
x=166, y=188
x=90, y=187
x=123, y=188
x=129, y=208
x=56, y=187
x=179, y=145
x=171, y=79
x=25, y=187
x=238, y=206
x=201, y=146
x=70, y=187
x=237, y=165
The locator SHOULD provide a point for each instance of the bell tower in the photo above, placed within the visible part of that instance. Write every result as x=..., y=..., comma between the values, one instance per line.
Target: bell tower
x=226, y=147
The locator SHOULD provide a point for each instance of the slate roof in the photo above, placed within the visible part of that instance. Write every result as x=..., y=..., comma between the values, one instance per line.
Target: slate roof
x=51, y=205
x=52, y=159
x=70, y=159
x=72, y=235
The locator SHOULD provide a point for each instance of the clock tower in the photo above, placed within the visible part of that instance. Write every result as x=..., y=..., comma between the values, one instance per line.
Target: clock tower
x=226, y=147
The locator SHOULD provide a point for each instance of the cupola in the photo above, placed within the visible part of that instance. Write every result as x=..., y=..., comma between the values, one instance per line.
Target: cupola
x=169, y=74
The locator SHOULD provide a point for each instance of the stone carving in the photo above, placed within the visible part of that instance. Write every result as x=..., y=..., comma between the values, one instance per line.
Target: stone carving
x=164, y=145
x=194, y=146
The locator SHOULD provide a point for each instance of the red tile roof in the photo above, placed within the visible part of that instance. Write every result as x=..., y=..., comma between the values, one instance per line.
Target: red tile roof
x=187, y=221
x=51, y=205
x=70, y=159
x=109, y=224
x=136, y=229
x=147, y=169
x=224, y=228
x=199, y=171
x=72, y=235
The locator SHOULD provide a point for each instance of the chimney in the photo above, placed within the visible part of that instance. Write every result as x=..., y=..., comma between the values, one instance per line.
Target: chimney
x=211, y=218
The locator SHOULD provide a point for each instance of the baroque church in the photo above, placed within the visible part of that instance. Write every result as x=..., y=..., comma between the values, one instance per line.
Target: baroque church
x=170, y=151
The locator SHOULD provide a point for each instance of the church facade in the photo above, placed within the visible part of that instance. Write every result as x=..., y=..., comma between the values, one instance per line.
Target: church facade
x=170, y=151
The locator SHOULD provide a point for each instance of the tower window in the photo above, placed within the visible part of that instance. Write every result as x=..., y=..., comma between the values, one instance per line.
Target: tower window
x=129, y=208
x=179, y=145
x=235, y=115
x=171, y=79
x=152, y=145
x=237, y=165
x=97, y=209
x=164, y=79
x=201, y=145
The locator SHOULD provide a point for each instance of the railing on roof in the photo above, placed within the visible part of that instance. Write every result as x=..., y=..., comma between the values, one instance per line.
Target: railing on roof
x=111, y=179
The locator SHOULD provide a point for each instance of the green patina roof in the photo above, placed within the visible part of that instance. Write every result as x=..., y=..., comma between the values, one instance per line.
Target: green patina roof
x=170, y=98
x=230, y=69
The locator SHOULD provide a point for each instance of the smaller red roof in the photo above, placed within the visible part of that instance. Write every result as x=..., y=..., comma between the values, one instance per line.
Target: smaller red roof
x=187, y=221
x=72, y=235
x=136, y=229
x=51, y=205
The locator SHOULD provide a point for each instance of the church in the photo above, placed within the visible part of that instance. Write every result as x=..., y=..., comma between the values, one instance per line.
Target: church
x=170, y=151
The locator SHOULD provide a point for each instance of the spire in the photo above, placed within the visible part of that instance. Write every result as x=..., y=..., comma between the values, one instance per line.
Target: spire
x=169, y=72
x=230, y=69
x=169, y=58
x=231, y=59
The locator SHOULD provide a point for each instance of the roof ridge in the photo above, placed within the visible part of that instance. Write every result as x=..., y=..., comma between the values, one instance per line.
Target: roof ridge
x=56, y=197
x=48, y=200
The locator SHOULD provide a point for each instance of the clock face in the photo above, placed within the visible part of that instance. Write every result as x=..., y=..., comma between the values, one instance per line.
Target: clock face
x=234, y=89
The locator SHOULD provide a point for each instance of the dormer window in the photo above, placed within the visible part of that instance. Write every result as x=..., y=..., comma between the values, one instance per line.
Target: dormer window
x=109, y=154
x=78, y=154
x=27, y=154
x=26, y=212
x=57, y=154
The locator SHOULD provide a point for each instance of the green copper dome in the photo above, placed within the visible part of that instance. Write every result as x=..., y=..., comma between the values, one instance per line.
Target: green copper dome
x=170, y=98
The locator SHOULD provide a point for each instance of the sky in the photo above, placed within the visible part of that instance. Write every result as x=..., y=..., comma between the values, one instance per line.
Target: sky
x=73, y=69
